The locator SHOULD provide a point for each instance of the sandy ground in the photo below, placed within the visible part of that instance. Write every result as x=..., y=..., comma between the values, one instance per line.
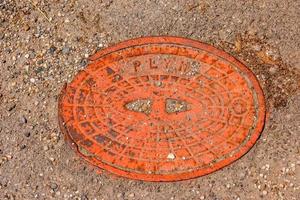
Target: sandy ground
x=44, y=43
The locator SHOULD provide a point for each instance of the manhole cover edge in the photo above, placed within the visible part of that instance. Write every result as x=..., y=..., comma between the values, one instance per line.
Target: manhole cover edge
x=175, y=177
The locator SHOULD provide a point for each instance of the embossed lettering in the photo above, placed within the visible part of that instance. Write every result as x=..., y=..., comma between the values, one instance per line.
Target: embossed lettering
x=152, y=64
x=136, y=65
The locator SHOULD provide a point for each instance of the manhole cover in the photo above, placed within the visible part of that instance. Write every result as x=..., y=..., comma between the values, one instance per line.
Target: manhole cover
x=162, y=109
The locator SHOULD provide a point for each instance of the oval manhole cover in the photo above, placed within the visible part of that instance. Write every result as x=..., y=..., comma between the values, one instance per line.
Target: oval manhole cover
x=162, y=109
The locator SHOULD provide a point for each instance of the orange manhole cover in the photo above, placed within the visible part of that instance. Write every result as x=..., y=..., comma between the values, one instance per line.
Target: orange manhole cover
x=162, y=109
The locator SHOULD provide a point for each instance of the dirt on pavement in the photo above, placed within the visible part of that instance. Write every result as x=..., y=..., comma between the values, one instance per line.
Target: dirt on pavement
x=44, y=43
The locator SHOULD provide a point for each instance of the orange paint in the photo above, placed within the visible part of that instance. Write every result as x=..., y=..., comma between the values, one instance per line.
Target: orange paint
x=162, y=109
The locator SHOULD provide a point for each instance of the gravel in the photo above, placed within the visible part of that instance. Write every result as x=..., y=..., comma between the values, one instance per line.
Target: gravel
x=27, y=134
x=11, y=106
x=53, y=186
x=23, y=146
x=23, y=120
x=44, y=44
x=66, y=50
x=52, y=49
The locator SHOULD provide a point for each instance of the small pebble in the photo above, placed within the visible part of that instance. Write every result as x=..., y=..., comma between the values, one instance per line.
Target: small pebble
x=26, y=27
x=256, y=47
x=52, y=49
x=259, y=186
x=83, y=62
x=26, y=67
x=23, y=146
x=171, y=156
x=11, y=106
x=66, y=50
x=45, y=148
x=27, y=134
x=131, y=195
x=264, y=192
x=53, y=186
x=272, y=53
x=84, y=197
x=32, y=80
x=273, y=70
x=23, y=120
x=293, y=165
x=119, y=195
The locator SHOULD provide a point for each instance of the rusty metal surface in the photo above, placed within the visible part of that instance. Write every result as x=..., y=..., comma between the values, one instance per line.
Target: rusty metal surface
x=162, y=109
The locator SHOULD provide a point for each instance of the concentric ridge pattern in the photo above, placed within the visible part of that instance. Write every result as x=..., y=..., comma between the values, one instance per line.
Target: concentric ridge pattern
x=162, y=109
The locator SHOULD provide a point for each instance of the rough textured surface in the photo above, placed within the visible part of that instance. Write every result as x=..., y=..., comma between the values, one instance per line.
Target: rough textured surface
x=44, y=43
x=225, y=118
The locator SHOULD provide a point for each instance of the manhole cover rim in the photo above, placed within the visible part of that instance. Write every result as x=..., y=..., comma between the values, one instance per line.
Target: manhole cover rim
x=186, y=175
